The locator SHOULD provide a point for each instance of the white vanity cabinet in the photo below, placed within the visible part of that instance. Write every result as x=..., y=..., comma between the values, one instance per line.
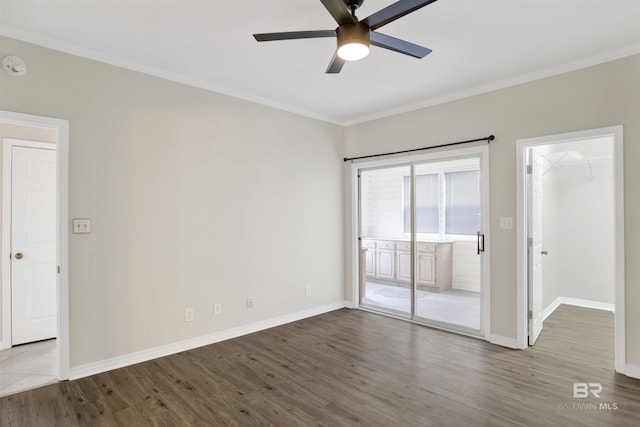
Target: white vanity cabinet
x=389, y=262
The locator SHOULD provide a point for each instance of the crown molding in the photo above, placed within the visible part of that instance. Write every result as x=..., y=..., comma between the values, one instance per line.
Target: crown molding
x=96, y=55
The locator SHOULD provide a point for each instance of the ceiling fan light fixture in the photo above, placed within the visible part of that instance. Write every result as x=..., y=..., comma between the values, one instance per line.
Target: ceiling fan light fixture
x=353, y=51
x=353, y=41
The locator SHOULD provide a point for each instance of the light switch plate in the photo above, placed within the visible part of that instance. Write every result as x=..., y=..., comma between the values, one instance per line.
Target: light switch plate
x=81, y=225
x=506, y=222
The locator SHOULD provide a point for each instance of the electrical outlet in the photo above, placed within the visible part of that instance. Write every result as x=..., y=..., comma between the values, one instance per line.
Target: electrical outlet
x=188, y=314
x=217, y=308
x=307, y=291
x=249, y=302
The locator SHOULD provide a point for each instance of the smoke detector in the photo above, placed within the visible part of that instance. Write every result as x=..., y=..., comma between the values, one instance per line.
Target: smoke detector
x=14, y=66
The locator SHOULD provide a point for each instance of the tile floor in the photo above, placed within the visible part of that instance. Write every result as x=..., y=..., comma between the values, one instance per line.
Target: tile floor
x=27, y=366
x=452, y=306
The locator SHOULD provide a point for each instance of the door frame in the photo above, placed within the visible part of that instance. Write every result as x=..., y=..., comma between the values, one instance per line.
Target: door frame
x=62, y=244
x=482, y=152
x=521, y=252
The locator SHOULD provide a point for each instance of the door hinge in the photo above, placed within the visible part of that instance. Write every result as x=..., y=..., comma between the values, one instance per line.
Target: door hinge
x=529, y=241
x=58, y=269
x=530, y=314
x=529, y=169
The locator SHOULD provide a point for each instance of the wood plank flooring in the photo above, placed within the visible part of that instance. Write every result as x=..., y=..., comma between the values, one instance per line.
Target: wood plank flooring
x=349, y=368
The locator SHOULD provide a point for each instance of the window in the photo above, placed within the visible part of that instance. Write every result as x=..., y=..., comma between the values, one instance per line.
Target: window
x=462, y=207
x=453, y=196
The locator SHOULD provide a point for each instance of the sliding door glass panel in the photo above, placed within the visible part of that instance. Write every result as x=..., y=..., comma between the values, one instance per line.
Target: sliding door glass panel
x=447, y=266
x=462, y=206
x=385, y=248
x=427, y=204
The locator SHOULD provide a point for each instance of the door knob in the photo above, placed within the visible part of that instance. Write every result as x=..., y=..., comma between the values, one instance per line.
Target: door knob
x=19, y=255
x=544, y=252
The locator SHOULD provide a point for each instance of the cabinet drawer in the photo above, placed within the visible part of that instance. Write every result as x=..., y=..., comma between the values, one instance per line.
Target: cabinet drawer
x=425, y=247
x=368, y=244
x=403, y=246
x=382, y=244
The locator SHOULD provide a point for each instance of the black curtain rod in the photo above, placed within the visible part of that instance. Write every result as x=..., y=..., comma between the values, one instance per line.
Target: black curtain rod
x=486, y=138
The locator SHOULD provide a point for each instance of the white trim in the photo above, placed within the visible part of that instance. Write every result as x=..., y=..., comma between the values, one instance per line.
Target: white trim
x=6, y=244
x=5, y=285
x=29, y=144
x=632, y=371
x=597, y=305
x=73, y=49
x=353, y=239
x=618, y=250
x=505, y=341
x=481, y=151
x=62, y=202
x=551, y=308
x=522, y=307
x=177, y=347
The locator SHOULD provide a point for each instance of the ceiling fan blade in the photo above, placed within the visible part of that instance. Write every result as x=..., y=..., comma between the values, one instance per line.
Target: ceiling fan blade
x=338, y=9
x=397, y=45
x=336, y=64
x=394, y=11
x=292, y=35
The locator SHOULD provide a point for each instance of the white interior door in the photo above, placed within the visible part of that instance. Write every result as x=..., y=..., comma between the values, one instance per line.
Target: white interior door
x=535, y=248
x=33, y=244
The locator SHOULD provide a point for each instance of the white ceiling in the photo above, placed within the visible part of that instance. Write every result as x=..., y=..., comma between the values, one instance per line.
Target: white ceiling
x=478, y=45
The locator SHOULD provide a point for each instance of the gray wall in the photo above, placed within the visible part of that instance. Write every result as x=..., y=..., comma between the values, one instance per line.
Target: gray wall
x=196, y=198
x=604, y=95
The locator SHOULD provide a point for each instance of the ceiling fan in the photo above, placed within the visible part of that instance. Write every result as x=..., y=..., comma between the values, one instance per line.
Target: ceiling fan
x=354, y=35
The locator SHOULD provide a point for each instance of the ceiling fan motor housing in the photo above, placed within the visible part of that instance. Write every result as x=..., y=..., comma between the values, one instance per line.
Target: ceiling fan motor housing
x=353, y=33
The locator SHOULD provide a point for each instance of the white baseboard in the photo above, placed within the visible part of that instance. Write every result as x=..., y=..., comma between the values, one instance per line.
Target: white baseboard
x=551, y=308
x=577, y=302
x=2, y=347
x=504, y=341
x=632, y=371
x=350, y=304
x=166, y=350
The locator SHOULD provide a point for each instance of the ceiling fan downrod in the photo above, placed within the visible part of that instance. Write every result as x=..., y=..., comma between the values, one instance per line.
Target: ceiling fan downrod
x=353, y=5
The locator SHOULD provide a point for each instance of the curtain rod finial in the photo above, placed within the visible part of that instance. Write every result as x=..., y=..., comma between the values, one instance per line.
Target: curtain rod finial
x=491, y=137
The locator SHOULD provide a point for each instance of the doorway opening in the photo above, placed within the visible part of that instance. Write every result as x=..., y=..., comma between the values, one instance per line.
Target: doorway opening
x=422, y=252
x=34, y=302
x=570, y=229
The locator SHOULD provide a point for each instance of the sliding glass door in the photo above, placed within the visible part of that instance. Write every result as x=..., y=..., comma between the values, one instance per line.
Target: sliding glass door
x=421, y=241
